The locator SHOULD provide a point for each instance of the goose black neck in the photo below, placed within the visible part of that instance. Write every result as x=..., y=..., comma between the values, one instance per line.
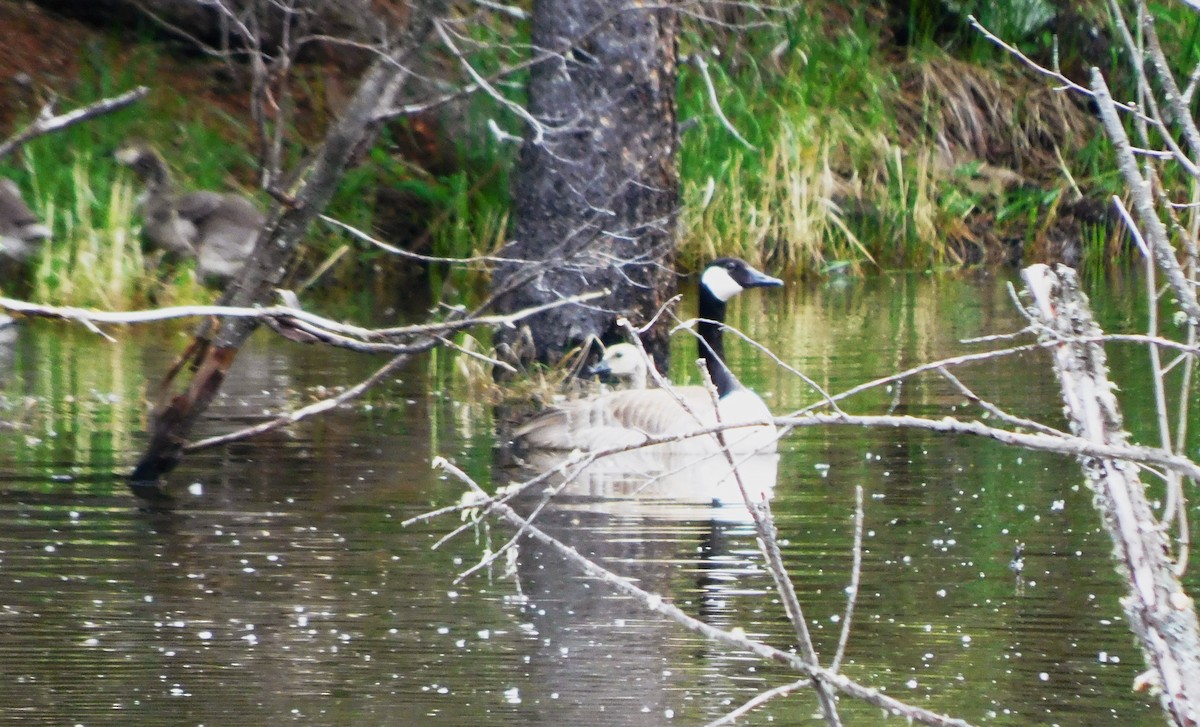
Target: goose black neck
x=712, y=346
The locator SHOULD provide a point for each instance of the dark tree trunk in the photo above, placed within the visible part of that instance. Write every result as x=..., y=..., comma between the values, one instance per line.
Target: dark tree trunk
x=596, y=193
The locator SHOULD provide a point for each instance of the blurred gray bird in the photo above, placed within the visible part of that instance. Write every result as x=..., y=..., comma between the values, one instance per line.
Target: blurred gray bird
x=218, y=230
x=21, y=232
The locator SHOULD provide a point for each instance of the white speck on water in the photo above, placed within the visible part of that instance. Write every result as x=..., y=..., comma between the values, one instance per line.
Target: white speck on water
x=1044, y=676
x=272, y=557
x=74, y=514
x=911, y=683
x=443, y=629
x=91, y=642
x=1102, y=657
x=928, y=628
x=452, y=594
x=443, y=690
x=205, y=635
x=512, y=695
x=966, y=640
x=461, y=643
x=196, y=489
x=1021, y=507
x=1058, y=505
x=941, y=593
x=669, y=713
x=50, y=549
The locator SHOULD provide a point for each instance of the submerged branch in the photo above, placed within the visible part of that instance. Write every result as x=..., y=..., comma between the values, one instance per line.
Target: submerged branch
x=655, y=602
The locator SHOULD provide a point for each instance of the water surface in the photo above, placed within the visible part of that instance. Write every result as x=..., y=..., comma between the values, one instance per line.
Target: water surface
x=284, y=588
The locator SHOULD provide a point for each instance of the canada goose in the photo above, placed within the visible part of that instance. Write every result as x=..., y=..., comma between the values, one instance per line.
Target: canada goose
x=20, y=229
x=629, y=417
x=217, y=229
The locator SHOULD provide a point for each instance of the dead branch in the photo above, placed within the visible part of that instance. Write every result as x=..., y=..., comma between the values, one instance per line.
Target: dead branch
x=855, y=577
x=1063, y=444
x=285, y=319
x=216, y=345
x=1152, y=227
x=1161, y=615
x=48, y=122
x=757, y=701
x=656, y=603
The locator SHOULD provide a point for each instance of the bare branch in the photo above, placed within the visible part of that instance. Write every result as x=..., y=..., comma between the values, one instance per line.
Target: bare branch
x=702, y=66
x=1065, y=444
x=47, y=123
x=658, y=604
x=759, y=700
x=855, y=577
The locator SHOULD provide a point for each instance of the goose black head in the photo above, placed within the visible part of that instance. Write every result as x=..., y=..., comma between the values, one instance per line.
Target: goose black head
x=726, y=277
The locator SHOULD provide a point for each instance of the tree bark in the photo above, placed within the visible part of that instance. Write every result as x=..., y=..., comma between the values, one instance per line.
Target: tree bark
x=597, y=186
x=216, y=343
x=1161, y=615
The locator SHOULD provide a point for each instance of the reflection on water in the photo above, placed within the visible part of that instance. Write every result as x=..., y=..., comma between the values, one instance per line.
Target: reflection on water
x=285, y=590
x=646, y=482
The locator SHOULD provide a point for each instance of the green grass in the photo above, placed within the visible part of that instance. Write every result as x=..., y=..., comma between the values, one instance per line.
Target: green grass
x=847, y=170
x=869, y=156
x=72, y=181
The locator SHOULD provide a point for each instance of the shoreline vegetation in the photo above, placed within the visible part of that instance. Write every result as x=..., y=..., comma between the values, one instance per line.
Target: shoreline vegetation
x=873, y=142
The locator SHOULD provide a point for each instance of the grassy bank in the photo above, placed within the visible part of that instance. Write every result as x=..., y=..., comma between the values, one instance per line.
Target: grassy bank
x=863, y=152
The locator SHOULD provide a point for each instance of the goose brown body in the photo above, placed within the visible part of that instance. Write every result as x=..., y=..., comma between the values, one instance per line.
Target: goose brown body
x=21, y=232
x=634, y=416
x=219, y=230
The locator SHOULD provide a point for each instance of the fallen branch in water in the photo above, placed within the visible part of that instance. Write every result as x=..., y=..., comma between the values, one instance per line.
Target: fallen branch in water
x=1160, y=613
x=656, y=603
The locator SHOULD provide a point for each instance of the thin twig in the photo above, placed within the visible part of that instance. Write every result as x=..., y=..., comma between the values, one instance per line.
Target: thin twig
x=702, y=66
x=757, y=701
x=855, y=577
x=1066, y=445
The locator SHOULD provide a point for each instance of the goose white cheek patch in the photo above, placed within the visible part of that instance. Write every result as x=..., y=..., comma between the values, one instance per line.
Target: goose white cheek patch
x=720, y=283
